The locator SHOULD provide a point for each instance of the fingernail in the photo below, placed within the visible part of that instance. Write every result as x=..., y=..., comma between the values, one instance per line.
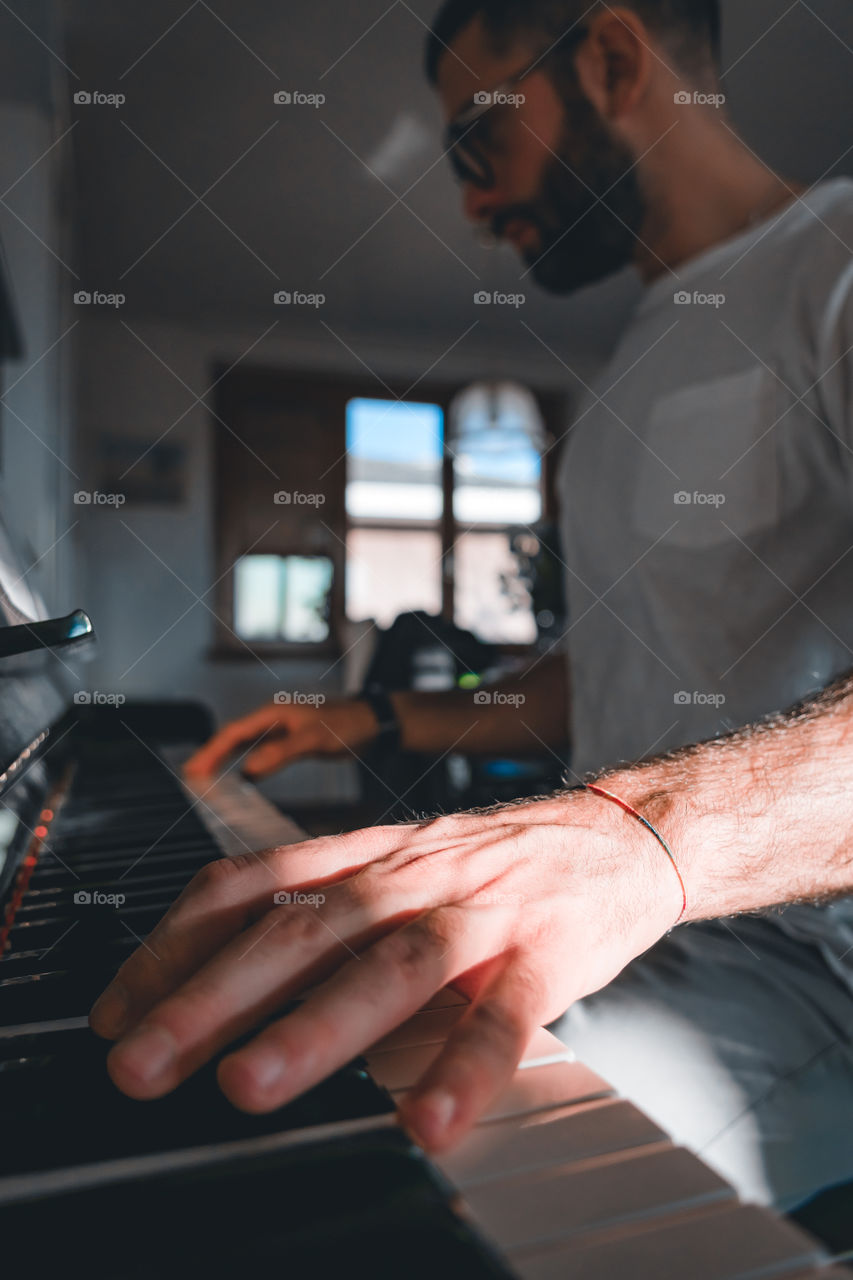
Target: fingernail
x=148, y=1053
x=265, y=1068
x=434, y=1112
x=111, y=1010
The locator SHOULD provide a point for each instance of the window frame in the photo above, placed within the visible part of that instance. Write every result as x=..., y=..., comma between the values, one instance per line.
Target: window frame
x=270, y=387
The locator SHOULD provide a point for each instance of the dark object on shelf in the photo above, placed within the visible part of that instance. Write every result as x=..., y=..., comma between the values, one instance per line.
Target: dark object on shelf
x=417, y=651
x=400, y=650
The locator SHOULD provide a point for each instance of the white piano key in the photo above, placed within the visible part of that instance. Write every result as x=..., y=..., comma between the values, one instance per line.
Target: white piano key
x=544, y=1048
x=431, y=1026
x=738, y=1242
x=547, y=1138
x=400, y=1067
x=543, y=1087
x=235, y=813
x=434, y=1025
x=539, y=1089
x=537, y=1207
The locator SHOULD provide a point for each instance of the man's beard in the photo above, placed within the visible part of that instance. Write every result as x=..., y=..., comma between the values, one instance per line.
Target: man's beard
x=590, y=209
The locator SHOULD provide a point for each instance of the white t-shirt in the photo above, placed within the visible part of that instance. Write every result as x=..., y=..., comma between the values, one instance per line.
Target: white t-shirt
x=707, y=499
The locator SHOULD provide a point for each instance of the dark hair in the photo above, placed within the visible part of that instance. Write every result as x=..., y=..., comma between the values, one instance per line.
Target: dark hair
x=692, y=27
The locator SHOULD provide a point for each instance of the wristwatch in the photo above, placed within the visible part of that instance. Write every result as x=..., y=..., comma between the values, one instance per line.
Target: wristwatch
x=390, y=732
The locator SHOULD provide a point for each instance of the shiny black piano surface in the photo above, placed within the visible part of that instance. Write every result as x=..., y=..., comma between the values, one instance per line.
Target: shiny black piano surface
x=97, y=838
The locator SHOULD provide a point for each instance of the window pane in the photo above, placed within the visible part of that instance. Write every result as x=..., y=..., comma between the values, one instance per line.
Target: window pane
x=491, y=599
x=282, y=598
x=497, y=487
x=391, y=571
x=495, y=439
x=394, y=453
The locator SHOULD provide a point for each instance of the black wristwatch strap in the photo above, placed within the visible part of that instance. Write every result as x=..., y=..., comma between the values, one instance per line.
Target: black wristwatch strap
x=389, y=726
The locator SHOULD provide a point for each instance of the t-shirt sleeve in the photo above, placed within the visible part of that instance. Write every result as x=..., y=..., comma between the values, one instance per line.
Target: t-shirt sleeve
x=835, y=362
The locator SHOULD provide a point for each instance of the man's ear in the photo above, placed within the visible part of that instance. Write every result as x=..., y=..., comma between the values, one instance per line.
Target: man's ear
x=615, y=62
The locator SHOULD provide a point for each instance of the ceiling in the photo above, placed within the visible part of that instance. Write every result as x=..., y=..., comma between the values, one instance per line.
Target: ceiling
x=348, y=199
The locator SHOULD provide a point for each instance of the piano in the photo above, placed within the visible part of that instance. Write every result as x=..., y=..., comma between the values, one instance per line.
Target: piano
x=561, y=1180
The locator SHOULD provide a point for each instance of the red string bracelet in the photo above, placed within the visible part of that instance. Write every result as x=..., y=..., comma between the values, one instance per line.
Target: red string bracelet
x=599, y=791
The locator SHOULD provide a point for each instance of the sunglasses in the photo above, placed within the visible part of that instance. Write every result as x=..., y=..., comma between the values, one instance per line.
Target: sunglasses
x=466, y=138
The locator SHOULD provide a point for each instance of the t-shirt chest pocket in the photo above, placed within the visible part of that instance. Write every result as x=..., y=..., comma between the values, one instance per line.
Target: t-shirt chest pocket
x=708, y=475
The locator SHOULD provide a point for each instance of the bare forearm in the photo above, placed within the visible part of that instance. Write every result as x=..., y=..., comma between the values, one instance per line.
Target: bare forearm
x=525, y=716
x=762, y=817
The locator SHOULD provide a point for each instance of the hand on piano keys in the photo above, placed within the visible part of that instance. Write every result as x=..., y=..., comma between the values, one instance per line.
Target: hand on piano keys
x=524, y=908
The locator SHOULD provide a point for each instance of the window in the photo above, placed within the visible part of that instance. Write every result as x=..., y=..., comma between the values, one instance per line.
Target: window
x=396, y=496
x=283, y=598
x=496, y=440
x=394, y=502
x=332, y=503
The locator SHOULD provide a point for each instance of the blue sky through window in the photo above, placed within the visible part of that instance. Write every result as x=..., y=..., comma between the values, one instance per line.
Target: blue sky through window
x=386, y=431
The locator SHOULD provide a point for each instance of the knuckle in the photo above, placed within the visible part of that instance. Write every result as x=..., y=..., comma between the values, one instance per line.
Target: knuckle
x=300, y=924
x=218, y=876
x=409, y=949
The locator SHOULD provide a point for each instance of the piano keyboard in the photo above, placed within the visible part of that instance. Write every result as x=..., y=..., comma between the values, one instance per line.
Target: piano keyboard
x=561, y=1179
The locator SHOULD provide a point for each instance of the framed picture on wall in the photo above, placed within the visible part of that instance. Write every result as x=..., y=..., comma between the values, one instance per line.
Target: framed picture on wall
x=145, y=471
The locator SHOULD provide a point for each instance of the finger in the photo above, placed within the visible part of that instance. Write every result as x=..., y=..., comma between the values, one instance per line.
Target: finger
x=216, y=751
x=278, y=753
x=290, y=947
x=357, y=1006
x=220, y=901
x=476, y=1063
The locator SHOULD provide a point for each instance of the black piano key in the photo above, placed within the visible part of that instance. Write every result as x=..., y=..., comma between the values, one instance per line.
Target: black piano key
x=49, y=995
x=39, y=902
x=53, y=907
x=179, y=859
x=87, y=931
x=368, y=1205
x=115, y=843
x=58, y=1107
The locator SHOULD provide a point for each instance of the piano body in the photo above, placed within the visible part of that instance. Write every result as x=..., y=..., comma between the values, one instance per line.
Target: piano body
x=561, y=1180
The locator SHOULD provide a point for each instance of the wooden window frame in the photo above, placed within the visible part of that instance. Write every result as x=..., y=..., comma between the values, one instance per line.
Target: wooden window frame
x=272, y=387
